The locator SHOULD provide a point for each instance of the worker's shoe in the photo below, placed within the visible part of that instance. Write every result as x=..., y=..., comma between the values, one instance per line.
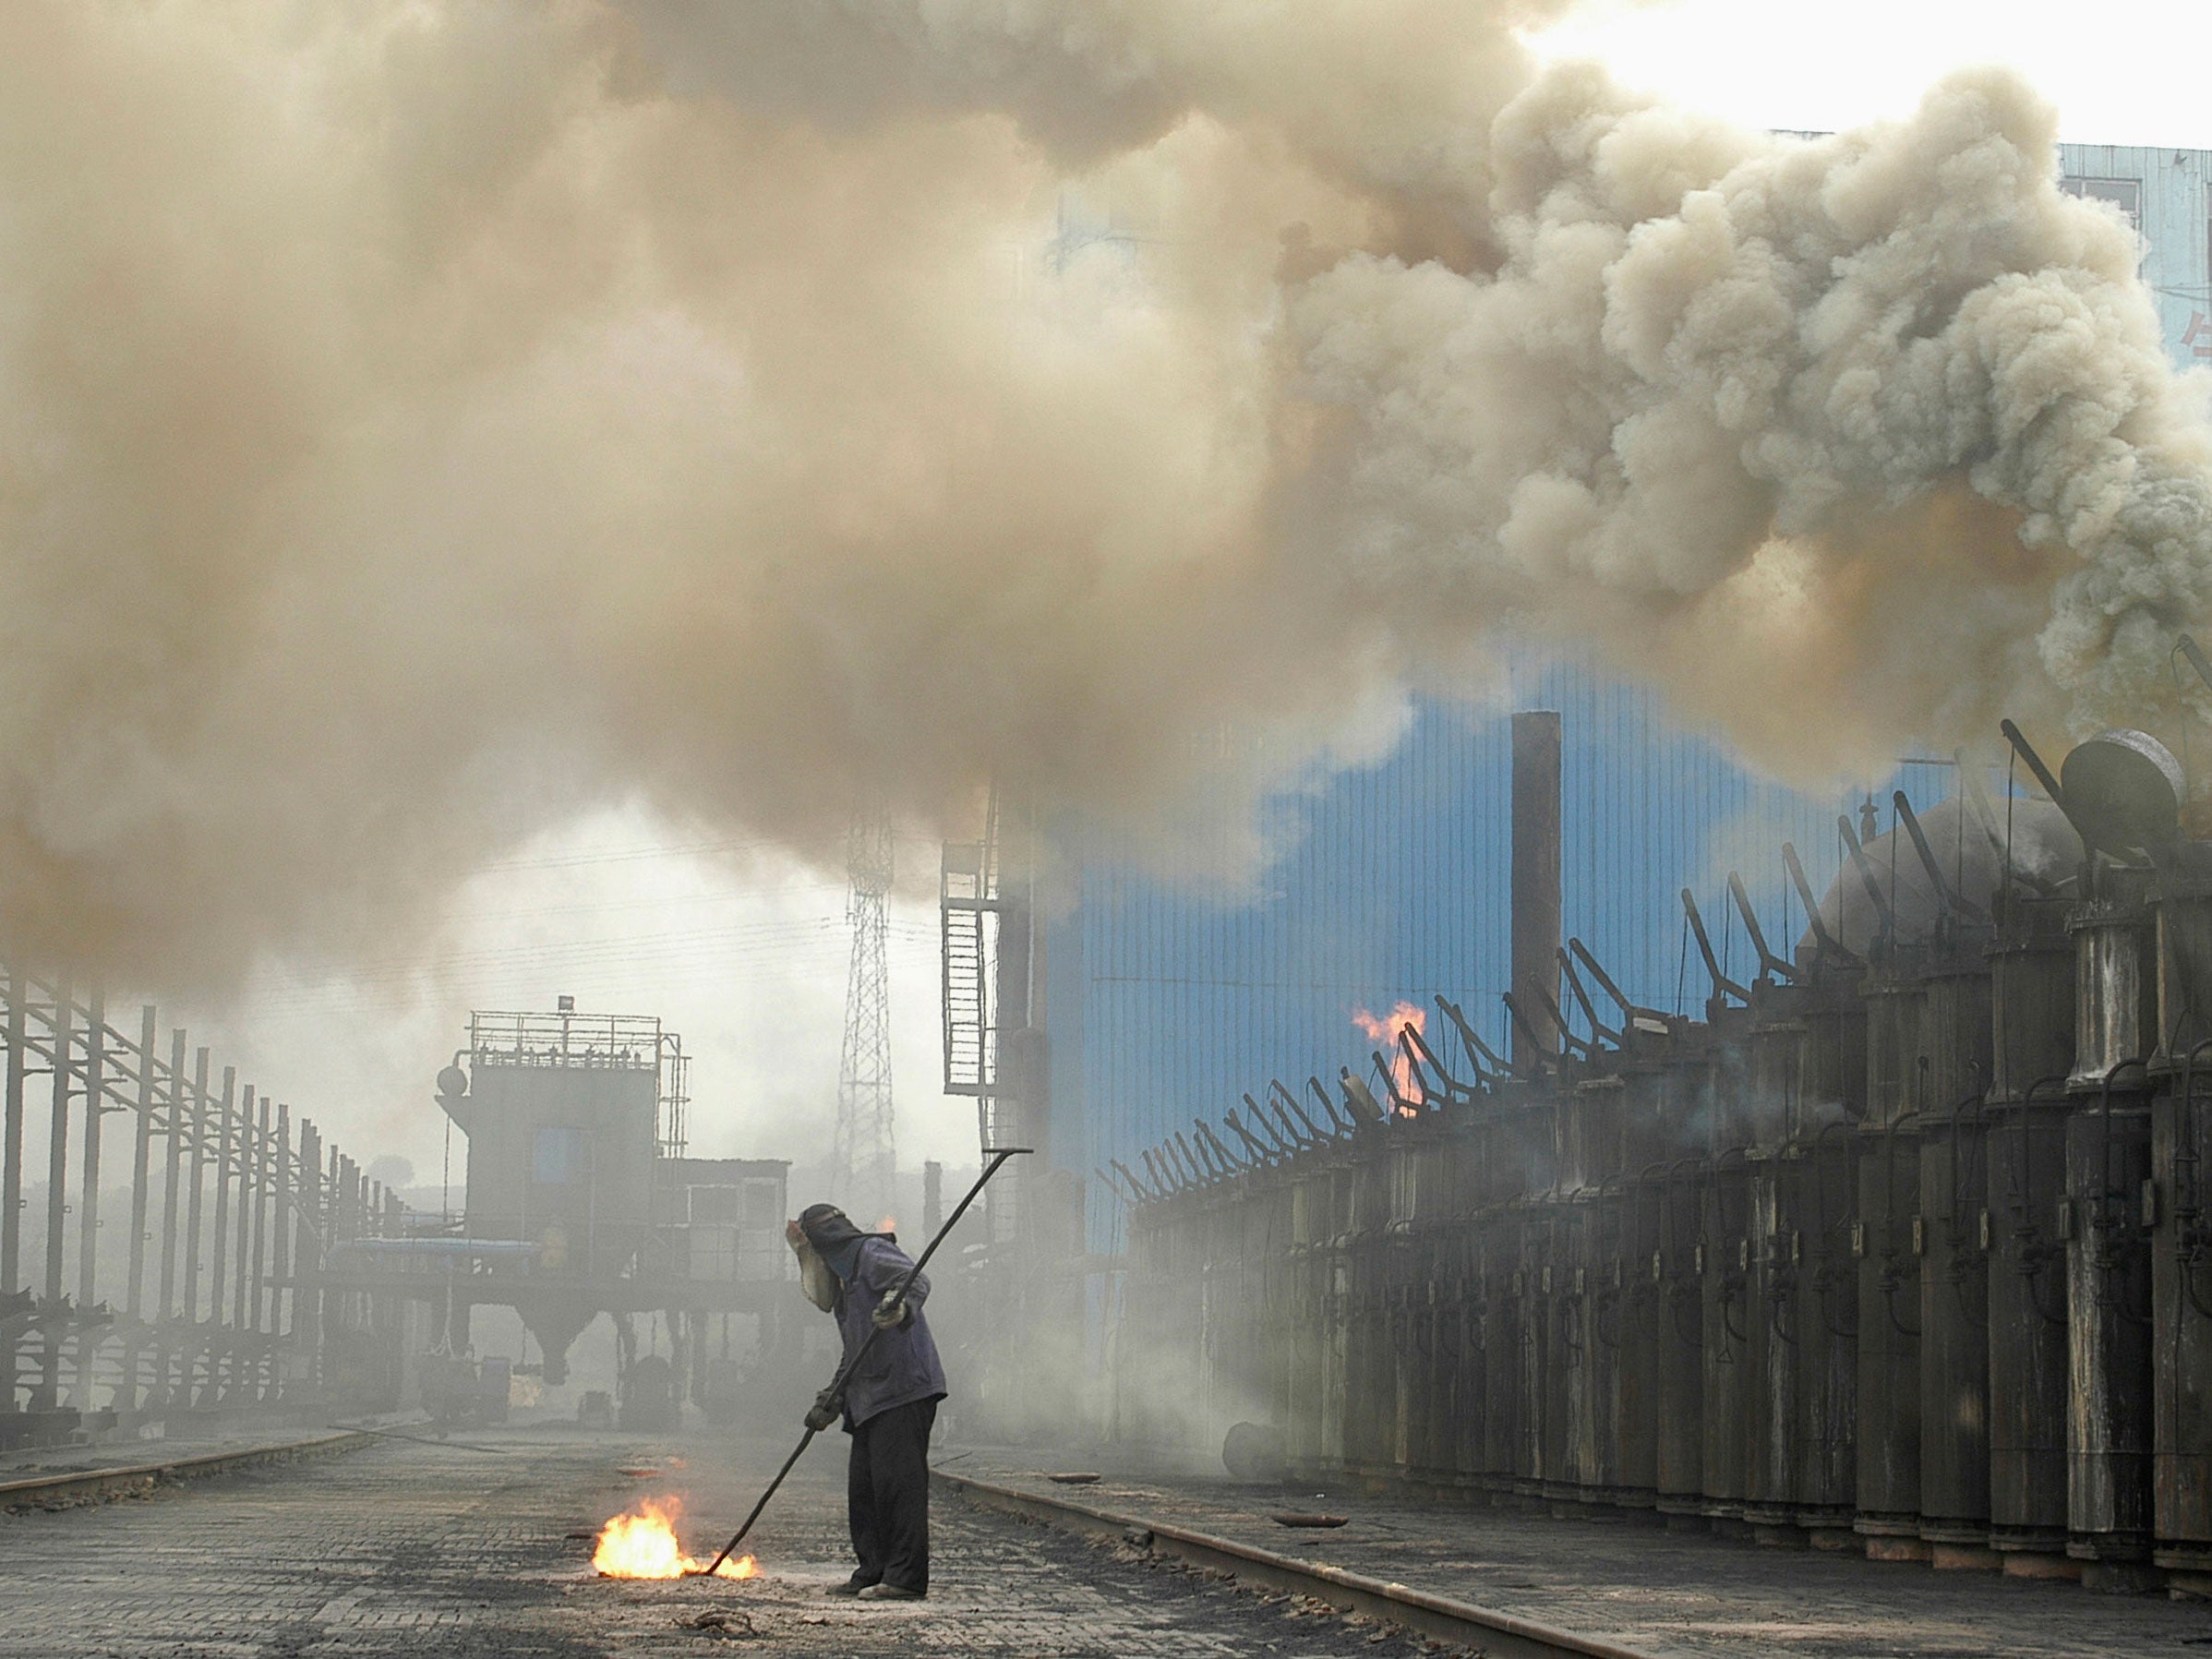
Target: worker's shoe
x=850, y=1587
x=892, y=1593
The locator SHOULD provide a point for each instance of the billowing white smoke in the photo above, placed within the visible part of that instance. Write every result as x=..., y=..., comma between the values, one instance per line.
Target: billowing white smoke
x=419, y=421
x=1851, y=440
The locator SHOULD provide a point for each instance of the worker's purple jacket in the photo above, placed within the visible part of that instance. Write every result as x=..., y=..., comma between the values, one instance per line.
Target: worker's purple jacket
x=902, y=1367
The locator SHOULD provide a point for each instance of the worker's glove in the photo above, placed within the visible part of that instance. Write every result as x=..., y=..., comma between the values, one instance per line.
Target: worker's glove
x=828, y=1408
x=890, y=1311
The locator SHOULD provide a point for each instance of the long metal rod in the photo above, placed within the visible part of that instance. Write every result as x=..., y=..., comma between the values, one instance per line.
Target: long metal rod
x=845, y=1371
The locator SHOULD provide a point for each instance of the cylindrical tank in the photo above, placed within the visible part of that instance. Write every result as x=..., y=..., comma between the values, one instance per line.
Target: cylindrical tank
x=1601, y=1329
x=1679, y=1294
x=1774, y=1317
x=1567, y=1406
x=1888, y=1481
x=2182, y=1239
x=2032, y=1050
x=1831, y=1100
x=1500, y=1320
x=2110, y=1515
x=1639, y=1305
x=1728, y=1324
x=1954, y=1338
x=1370, y=1394
x=1827, y=1327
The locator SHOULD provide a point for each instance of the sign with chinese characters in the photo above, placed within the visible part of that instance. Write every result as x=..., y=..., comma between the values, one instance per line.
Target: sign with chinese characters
x=2196, y=339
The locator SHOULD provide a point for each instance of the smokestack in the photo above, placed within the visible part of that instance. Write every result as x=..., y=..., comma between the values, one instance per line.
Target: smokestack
x=1535, y=875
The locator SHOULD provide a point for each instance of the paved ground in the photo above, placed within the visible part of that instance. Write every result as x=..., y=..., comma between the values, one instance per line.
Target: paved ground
x=1664, y=1592
x=427, y=1550
x=28, y=1463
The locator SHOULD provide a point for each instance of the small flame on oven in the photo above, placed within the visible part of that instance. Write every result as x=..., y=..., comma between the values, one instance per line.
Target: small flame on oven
x=1386, y=1029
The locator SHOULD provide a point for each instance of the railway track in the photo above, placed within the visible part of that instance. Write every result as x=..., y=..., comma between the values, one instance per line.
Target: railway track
x=1497, y=1635
x=97, y=1485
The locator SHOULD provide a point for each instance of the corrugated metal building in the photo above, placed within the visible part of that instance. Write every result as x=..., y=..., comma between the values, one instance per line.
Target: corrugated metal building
x=1163, y=1003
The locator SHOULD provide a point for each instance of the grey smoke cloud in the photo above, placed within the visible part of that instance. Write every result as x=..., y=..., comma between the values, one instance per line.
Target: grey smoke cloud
x=421, y=423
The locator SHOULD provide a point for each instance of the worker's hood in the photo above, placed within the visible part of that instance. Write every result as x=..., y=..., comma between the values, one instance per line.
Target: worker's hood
x=834, y=1236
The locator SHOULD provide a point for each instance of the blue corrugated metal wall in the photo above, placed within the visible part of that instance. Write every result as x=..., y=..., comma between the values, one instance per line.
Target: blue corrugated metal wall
x=1164, y=1003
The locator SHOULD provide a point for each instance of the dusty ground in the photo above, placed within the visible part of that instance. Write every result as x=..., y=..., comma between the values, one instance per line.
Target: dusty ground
x=1664, y=1592
x=424, y=1550
x=440, y=1550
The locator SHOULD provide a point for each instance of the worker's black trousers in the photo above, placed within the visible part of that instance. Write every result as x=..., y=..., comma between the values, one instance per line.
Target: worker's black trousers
x=887, y=1495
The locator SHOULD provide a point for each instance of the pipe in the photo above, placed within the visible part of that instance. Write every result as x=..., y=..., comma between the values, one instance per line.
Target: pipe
x=1950, y=900
x=2026, y=751
x=1574, y=983
x=1534, y=1045
x=1486, y=1059
x=1277, y=1092
x=1722, y=985
x=1261, y=1154
x=1219, y=1149
x=1769, y=963
x=1342, y=1124
x=1453, y=1088
x=1416, y=1075
x=1581, y=1045
x=1866, y=876
x=1824, y=942
x=1639, y=1017
x=1399, y=1105
x=1275, y=1138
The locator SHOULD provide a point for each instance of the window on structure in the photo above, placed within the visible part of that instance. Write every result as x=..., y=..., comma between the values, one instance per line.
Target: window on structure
x=2126, y=193
x=556, y=1155
x=713, y=1204
x=765, y=1204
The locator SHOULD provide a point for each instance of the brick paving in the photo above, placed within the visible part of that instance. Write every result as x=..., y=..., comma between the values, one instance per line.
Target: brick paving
x=401, y=1548
x=1667, y=1594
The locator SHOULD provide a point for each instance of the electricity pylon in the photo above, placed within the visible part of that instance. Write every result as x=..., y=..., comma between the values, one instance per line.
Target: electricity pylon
x=864, y=1157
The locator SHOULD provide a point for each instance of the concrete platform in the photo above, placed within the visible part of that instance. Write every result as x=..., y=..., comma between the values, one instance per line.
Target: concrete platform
x=1664, y=1592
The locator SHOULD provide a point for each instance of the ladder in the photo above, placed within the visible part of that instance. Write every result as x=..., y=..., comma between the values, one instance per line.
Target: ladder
x=967, y=907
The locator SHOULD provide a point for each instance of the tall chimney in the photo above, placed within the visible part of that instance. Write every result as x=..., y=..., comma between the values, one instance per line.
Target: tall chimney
x=1535, y=875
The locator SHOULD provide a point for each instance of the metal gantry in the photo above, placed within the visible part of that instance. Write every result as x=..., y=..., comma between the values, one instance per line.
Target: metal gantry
x=212, y=1301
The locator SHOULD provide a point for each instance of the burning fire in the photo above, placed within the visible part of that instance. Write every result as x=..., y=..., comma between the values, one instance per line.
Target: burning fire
x=643, y=1546
x=1384, y=1030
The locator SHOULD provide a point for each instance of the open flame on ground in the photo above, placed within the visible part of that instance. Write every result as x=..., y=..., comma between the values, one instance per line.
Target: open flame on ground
x=642, y=1545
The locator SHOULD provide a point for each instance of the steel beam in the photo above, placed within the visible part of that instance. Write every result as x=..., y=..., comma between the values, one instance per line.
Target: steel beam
x=57, y=1199
x=88, y=1202
x=141, y=1159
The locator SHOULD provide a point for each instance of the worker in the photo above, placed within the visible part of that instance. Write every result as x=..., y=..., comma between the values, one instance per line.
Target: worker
x=889, y=1403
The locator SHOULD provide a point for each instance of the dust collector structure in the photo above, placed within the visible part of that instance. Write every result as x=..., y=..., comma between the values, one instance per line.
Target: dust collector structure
x=580, y=1201
x=1902, y=1248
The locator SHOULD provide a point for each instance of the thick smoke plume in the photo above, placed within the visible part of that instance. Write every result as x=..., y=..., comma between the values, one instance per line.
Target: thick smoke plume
x=418, y=422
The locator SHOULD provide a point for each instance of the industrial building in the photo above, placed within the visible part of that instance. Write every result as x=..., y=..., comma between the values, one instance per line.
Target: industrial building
x=1162, y=998
x=1895, y=1245
x=1568, y=1117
